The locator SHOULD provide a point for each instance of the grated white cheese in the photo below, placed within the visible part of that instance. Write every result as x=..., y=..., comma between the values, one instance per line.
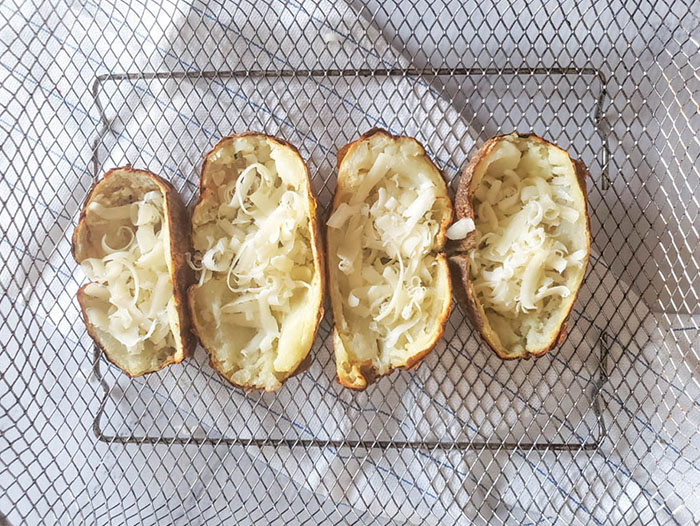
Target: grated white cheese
x=132, y=279
x=390, y=225
x=459, y=229
x=525, y=261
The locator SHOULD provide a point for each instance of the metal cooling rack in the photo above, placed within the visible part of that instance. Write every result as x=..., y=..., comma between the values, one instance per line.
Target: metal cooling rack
x=592, y=347
x=466, y=438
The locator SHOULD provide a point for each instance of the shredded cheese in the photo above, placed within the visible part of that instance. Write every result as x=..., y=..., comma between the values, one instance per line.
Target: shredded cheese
x=131, y=281
x=460, y=229
x=525, y=262
x=254, y=254
x=385, y=233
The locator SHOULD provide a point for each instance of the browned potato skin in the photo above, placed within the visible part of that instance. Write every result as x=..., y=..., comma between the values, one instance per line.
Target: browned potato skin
x=459, y=263
x=181, y=274
x=319, y=263
x=365, y=368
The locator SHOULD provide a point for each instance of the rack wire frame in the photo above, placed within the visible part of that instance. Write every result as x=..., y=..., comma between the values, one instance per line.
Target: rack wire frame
x=591, y=443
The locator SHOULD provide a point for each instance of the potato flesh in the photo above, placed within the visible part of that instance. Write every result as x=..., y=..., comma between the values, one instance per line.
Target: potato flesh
x=388, y=285
x=253, y=305
x=130, y=303
x=531, y=242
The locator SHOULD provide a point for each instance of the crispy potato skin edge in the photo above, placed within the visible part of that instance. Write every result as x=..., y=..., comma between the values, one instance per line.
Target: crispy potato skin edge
x=181, y=275
x=459, y=263
x=364, y=371
x=319, y=264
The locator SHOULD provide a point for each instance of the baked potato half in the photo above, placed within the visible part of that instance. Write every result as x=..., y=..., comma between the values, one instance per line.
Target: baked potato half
x=131, y=238
x=518, y=270
x=388, y=277
x=258, y=299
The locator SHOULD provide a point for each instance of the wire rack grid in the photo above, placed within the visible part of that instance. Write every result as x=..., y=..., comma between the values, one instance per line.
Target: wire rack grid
x=602, y=430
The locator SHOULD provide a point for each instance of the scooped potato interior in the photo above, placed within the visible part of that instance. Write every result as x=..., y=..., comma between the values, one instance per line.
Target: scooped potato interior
x=123, y=248
x=531, y=241
x=256, y=305
x=389, y=282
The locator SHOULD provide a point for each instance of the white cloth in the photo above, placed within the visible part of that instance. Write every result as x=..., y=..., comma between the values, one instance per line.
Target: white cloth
x=52, y=467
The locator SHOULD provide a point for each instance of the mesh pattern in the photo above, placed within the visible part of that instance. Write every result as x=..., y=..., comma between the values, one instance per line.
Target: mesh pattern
x=602, y=430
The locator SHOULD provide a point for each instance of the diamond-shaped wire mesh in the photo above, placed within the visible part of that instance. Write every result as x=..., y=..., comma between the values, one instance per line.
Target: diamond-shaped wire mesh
x=603, y=430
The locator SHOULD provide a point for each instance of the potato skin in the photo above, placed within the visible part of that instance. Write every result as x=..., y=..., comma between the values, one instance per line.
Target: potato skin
x=181, y=275
x=364, y=372
x=319, y=264
x=460, y=262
